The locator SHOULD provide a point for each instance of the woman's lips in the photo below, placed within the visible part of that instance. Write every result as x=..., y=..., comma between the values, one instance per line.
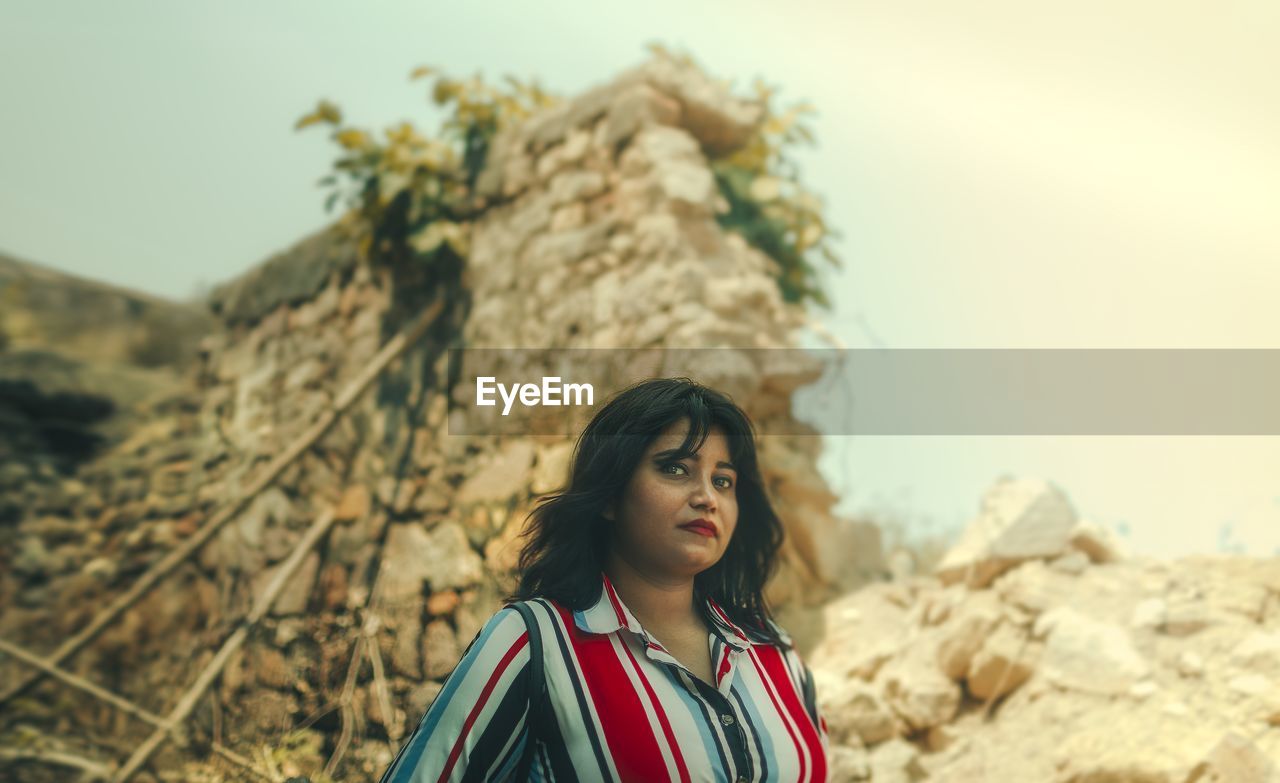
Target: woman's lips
x=701, y=528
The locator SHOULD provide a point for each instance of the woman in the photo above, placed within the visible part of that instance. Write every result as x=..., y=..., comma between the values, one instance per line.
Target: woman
x=658, y=655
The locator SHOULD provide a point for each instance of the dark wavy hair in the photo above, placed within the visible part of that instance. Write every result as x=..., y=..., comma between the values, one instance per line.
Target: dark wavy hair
x=567, y=537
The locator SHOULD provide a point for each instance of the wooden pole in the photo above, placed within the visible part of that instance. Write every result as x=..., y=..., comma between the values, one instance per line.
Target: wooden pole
x=393, y=348
x=187, y=703
x=126, y=706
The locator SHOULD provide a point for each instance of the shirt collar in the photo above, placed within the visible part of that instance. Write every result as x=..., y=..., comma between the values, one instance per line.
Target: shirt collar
x=609, y=614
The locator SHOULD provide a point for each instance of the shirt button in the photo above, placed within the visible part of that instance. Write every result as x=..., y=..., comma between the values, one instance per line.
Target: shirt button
x=726, y=720
x=741, y=779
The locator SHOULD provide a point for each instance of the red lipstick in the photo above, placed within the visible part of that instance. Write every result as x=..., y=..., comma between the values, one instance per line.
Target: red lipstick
x=700, y=526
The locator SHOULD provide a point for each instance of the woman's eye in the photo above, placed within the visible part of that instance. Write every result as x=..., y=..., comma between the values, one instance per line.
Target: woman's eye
x=728, y=482
x=669, y=465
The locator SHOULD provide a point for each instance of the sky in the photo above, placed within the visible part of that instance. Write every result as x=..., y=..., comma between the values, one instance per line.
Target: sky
x=1003, y=174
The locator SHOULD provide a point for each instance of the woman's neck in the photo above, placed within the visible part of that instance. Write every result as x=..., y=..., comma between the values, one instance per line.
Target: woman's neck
x=657, y=602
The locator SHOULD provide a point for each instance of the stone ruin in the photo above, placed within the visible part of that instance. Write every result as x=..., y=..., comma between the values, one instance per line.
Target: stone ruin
x=1039, y=650
x=599, y=232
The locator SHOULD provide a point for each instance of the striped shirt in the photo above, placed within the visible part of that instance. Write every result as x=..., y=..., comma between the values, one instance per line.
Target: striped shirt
x=618, y=706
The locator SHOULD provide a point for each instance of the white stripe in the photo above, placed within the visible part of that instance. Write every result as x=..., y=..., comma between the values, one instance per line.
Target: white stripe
x=452, y=721
x=560, y=691
x=796, y=736
x=633, y=674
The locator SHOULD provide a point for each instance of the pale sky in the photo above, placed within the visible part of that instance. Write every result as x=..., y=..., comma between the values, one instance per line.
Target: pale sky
x=1004, y=174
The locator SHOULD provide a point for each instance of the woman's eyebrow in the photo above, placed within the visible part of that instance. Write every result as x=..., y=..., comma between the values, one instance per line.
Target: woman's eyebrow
x=670, y=454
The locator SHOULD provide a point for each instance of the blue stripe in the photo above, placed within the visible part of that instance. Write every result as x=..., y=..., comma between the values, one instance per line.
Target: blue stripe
x=764, y=742
x=405, y=764
x=702, y=714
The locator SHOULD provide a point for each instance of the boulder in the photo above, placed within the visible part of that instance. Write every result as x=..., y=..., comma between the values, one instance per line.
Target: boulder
x=1235, y=760
x=1020, y=519
x=854, y=711
x=1005, y=661
x=966, y=632
x=918, y=691
x=1089, y=655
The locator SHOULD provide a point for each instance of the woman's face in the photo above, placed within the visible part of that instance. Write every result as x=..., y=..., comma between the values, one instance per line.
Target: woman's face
x=676, y=516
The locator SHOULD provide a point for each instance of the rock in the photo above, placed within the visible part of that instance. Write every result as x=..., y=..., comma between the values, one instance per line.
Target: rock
x=918, y=691
x=505, y=474
x=854, y=711
x=1073, y=563
x=941, y=738
x=571, y=186
x=1144, y=690
x=848, y=764
x=1005, y=661
x=440, y=650
x=1185, y=617
x=896, y=761
x=1088, y=655
x=406, y=652
x=1189, y=664
x=1020, y=520
x=1235, y=760
x=1269, y=710
x=636, y=108
x=33, y=559
x=442, y=603
x=271, y=669
x=333, y=587
x=1149, y=613
x=295, y=596
x=1250, y=684
x=421, y=697
x=1100, y=544
x=720, y=121
x=965, y=634
x=354, y=504
x=867, y=661
x=412, y=556
x=552, y=469
x=1259, y=652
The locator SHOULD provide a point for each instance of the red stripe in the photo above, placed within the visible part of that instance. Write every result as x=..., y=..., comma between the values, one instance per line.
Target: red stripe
x=483, y=699
x=635, y=752
x=771, y=659
x=724, y=664
x=766, y=681
x=738, y=631
x=617, y=605
x=662, y=716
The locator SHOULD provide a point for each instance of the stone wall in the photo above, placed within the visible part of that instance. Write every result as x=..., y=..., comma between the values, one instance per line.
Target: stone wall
x=598, y=232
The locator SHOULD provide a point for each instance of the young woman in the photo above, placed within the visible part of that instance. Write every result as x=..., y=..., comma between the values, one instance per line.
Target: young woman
x=645, y=577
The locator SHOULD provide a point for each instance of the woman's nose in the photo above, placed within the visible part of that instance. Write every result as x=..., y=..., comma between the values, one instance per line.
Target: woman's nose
x=704, y=495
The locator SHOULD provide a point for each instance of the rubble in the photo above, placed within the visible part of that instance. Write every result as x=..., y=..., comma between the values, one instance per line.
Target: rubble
x=1064, y=676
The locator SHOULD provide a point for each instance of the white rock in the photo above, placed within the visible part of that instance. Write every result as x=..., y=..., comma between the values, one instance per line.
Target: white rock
x=1020, y=519
x=1249, y=684
x=1235, y=760
x=1144, y=689
x=1149, y=613
x=1190, y=664
x=896, y=761
x=965, y=634
x=855, y=712
x=919, y=692
x=1099, y=543
x=1088, y=655
x=848, y=764
x=412, y=556
x=1259, y=652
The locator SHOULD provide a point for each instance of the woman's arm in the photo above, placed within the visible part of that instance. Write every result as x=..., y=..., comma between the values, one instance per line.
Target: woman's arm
x=477, y=725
